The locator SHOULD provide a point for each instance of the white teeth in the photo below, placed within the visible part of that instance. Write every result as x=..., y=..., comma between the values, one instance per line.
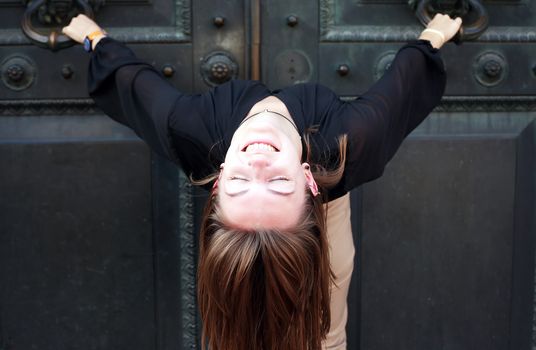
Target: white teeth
x=260, y=146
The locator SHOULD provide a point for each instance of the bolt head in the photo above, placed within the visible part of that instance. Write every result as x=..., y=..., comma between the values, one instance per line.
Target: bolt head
x=219, y=21
x=343, y=70
x=66, y=72
x=292, y=21
x=168, y=71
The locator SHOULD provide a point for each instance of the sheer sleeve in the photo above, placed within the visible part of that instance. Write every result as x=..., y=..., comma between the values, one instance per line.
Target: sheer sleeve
x=378, y=121
x=132, y=92
x=184, y=128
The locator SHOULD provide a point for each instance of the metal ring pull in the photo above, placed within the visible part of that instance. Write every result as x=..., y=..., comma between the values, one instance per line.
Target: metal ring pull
x=53, y=40
x=474, y=14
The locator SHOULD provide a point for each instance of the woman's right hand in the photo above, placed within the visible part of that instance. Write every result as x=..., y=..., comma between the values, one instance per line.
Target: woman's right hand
x=80, y=27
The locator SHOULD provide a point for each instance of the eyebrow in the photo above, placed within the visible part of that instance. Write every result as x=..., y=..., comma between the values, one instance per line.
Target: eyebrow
x=239, y=193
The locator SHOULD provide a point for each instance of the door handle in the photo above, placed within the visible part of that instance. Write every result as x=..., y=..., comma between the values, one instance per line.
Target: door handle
x=474, y=14
x=54, y=39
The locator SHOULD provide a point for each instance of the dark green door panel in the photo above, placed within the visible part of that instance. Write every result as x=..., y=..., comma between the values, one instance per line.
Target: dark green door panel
x=98, y=237
x=447, y=237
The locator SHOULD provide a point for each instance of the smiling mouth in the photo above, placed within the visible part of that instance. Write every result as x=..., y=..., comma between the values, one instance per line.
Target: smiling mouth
x=259, y=146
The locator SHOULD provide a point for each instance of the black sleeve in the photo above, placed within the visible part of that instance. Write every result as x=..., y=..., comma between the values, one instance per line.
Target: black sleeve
x=133, y=93
x=188, y=129
x=378, y=121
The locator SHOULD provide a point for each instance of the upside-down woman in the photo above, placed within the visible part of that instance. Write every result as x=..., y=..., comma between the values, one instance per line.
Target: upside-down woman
x=271, y=161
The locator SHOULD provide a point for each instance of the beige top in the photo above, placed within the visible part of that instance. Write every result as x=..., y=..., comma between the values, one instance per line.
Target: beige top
x=342, y=251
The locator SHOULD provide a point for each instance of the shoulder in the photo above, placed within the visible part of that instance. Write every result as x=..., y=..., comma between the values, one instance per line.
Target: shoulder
x=239, y=85
x=308, y=90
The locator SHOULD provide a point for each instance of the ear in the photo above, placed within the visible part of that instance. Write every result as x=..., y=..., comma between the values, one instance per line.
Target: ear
x=310, y=180
x=215, y=185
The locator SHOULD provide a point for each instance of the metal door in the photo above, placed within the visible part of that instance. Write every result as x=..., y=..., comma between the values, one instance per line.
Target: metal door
x=98, y=235
x=445, y=239
x=97, y=244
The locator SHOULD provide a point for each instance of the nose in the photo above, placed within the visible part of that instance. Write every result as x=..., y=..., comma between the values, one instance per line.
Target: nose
x=258, y=162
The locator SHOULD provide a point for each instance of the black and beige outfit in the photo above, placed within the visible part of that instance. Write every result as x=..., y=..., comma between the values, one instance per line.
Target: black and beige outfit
x=195, y=130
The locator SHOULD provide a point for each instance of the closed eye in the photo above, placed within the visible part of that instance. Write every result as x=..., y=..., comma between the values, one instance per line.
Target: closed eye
x=240, y=184
x=280, y=178
x=281, y=185
x=237, y=184
x=238, y=178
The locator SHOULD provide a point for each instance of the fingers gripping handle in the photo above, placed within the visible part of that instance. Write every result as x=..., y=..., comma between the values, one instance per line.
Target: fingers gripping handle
x=475, y=19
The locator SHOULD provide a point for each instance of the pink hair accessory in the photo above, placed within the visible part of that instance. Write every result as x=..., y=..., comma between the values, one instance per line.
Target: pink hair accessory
x=314, y=189
x=312, y=184
x=215, y=185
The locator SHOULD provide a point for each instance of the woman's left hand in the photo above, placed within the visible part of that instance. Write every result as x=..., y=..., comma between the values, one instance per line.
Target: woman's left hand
x=80, y=27
x=441, y=29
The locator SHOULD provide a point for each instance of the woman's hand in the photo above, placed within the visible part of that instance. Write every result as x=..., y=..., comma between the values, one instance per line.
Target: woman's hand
x=80, y=27
x=441, y=29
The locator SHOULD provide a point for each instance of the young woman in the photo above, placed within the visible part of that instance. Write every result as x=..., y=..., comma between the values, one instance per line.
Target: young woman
x=271, y=159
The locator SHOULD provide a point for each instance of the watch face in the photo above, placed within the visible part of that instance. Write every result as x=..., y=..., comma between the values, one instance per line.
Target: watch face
x=87, y=44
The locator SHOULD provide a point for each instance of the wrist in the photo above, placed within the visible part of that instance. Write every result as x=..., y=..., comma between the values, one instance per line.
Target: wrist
x=91, y=40
x=433, y=37
x=95, y=41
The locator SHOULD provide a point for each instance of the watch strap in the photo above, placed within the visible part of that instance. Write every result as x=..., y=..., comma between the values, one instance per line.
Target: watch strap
x=88, y=40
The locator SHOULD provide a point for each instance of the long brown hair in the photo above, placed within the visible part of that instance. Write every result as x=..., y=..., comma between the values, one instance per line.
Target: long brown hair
x=267, y=289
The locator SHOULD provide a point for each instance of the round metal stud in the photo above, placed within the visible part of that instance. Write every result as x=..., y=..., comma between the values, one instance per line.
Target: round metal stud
x=168, y=70
x=220, y=70
x=18, y=72
x=292, y=21
x=219, y=21
x=15, y=73
x=67, y=72
x=218, y=67
x=490, y=69
x=343, y=70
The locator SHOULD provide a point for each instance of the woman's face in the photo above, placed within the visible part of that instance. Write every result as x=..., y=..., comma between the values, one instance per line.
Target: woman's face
x=263, y=183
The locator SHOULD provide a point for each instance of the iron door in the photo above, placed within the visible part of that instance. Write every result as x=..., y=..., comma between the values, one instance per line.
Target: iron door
x=445, y=239
x=98, y=235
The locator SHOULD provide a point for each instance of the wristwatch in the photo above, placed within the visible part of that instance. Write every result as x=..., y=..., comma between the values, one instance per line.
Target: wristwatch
x=88, y=40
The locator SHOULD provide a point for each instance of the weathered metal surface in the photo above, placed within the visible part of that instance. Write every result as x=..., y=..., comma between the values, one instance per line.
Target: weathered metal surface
x=98, y=236
x=447, y=240
x=44, y=70
x=54, y=14
x=218, y=67
x=227, y=41
x=76, y=259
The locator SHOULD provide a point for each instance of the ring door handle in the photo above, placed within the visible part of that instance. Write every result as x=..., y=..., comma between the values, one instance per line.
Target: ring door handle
x=53, y=40
x=474, y=14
